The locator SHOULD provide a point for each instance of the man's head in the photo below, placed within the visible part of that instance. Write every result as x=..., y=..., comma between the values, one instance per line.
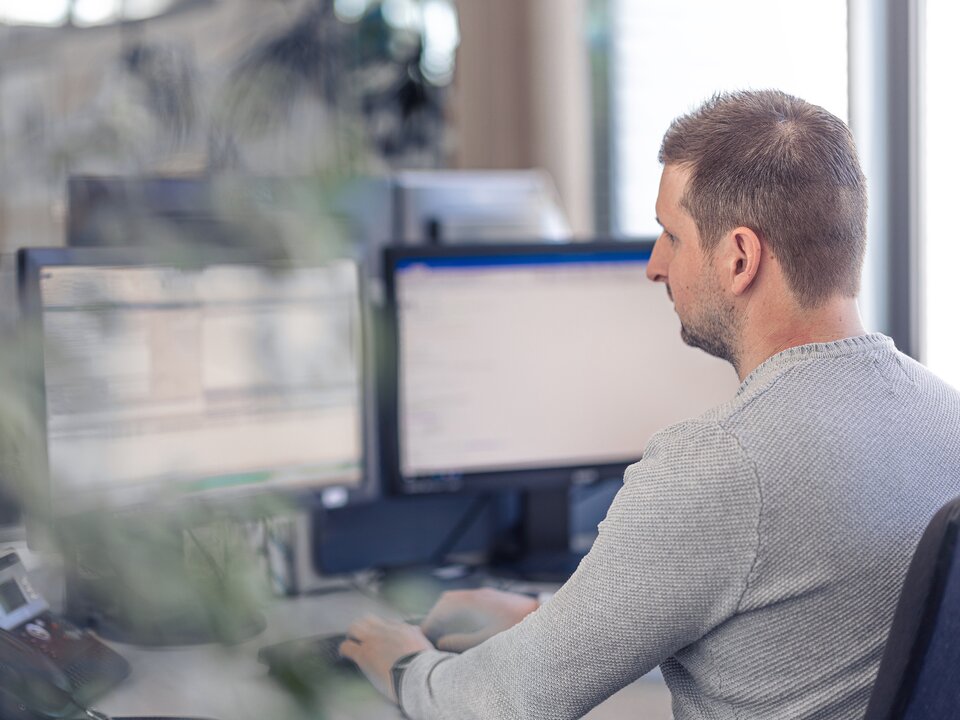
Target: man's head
x=762, y=170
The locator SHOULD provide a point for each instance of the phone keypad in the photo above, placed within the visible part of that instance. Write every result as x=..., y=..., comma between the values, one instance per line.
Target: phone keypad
x=57, y=639
x=90, y=666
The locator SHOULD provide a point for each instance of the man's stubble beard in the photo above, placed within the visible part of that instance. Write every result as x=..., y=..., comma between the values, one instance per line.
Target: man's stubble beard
x=715, y=329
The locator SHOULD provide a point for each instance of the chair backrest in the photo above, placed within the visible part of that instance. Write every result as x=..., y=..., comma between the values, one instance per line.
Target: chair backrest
x=919, y=677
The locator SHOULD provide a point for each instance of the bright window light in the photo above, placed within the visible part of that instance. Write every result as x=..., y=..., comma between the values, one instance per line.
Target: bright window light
x=401, y=14
x=440, y=26
x=663, y=65
x=441, y=39
x=350, y=10
x=940, y=294
x=85, y=12
x=142, y=9
x=33, y=12
x=95, y=12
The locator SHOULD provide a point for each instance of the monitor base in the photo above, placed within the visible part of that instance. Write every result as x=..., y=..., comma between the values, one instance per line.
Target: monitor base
x=538, y=547
x=547, y=566
x=188, y=630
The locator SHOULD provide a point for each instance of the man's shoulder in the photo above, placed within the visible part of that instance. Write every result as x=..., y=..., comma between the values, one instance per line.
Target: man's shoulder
x=695, y=448
x=697, y=474
x=817, y=392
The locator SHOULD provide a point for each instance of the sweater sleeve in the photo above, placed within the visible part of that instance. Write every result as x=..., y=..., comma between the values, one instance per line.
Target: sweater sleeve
x=671, y=561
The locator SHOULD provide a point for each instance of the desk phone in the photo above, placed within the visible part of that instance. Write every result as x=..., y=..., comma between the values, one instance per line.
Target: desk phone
x=49, y=668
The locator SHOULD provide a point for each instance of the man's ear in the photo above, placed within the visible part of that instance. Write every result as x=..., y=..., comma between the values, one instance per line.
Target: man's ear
x=742, y=259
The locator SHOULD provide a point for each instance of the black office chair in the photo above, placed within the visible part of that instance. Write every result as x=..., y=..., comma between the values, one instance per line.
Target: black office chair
x=919, y=677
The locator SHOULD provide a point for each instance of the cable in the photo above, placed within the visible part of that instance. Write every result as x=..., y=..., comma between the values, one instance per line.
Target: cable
x=356, y=583
x=456, y=534
x=218, y=572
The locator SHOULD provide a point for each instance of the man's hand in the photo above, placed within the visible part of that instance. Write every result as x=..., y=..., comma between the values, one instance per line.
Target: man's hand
x=464, y=618
x=375, y=644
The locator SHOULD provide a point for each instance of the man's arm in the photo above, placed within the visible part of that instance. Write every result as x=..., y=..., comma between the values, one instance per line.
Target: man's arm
x=375, y=645
x=671, y=562
x=463, y=619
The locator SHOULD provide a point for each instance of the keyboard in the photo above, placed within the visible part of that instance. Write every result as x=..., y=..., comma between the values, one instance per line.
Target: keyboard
x=310, y=658
x=94, y=670
x=307, y=657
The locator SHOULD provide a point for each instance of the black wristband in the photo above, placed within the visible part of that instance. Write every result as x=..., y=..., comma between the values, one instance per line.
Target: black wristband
x=396, y=674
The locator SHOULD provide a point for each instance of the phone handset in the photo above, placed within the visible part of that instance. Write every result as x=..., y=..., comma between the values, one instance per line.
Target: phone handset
x=31, y=685
x=49, y=668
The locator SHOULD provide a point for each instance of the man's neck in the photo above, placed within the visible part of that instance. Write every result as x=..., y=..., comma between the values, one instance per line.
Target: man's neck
x=788, y=327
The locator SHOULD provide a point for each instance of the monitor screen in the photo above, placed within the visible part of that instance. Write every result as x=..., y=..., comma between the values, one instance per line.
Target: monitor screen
x=535, y=364
x=11, y=597
x=162, y=381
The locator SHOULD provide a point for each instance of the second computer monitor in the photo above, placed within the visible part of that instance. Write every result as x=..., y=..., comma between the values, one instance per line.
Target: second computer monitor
x=533, y=365
x=161, y=380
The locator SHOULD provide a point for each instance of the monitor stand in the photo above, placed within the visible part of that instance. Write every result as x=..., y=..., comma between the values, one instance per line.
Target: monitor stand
x=147, y=593
x=539, y=547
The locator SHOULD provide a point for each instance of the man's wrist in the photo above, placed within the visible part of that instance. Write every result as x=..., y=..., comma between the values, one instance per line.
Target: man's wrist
x=540, y=596
x=543, y=597
x=397, y=672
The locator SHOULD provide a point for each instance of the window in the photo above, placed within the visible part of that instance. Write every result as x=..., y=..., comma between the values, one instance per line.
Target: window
x=78, y=12
x=668, y=57
x=940, y=156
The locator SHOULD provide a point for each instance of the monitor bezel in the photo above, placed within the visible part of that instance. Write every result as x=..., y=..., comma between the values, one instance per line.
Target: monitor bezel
x=389, y=374
x=32, y=261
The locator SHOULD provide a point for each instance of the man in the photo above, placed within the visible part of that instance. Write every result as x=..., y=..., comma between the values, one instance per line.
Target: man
x=755, y=553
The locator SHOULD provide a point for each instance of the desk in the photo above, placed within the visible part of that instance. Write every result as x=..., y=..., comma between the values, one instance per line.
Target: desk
x=229, y=683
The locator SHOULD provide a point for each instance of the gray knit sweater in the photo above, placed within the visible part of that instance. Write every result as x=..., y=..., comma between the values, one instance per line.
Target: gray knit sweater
x=755, y=553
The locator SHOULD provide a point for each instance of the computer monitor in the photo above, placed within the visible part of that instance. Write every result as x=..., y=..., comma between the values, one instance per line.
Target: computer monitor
x=447, y=207
x=261, y=216
x=533, y=367
x=162, y=381
x=177, y=401
x=534, y=364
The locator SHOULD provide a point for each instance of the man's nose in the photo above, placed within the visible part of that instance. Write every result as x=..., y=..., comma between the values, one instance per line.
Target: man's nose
x=657, y=265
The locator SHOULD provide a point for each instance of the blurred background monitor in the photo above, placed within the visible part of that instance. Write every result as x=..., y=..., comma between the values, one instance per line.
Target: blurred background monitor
x=161, y=380
x=263, y=217
x=9, y=415
x=535, y=367
x=454, y=207
x=269, y=215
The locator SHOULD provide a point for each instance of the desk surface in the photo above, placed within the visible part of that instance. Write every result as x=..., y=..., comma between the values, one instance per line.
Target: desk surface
x=230, y=684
